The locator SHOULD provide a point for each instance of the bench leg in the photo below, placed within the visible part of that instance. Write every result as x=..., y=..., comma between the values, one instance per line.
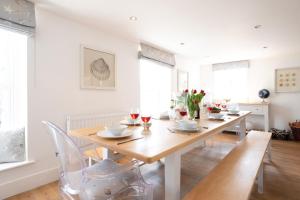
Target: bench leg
x=204, y=143
x=261, y=179
x=269, y=150
x=242, y=129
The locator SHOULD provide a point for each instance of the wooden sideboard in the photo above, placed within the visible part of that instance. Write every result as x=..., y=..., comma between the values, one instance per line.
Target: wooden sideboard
x=261, y=109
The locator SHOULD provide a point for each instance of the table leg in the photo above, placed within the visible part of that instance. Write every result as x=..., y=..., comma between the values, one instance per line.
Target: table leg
x=242, y=129
x=106, y=153
x=172, y=176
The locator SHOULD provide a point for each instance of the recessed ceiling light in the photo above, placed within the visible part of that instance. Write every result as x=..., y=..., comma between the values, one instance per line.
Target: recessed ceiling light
x=265, y=47
x=181, y=43
x=133, y=18
x=257, y=26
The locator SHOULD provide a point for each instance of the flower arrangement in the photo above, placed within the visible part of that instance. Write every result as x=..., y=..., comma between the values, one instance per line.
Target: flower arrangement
x=193, y=98
x=214, y=109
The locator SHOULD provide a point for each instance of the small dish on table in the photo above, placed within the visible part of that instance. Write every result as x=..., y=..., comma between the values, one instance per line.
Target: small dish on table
x=113, y=132
x=216, y=116
x=187, y=126
x=130, y=122
x=233, y=112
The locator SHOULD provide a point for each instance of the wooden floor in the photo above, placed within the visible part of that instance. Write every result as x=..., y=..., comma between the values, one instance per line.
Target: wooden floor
x=282, y=175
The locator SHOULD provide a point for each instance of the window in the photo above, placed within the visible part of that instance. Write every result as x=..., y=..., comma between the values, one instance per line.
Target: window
x=230, y=81
x=13, y=95
x=155, y=86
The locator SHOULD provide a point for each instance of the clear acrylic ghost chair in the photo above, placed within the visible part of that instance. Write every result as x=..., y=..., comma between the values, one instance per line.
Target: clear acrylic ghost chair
x=103, y=180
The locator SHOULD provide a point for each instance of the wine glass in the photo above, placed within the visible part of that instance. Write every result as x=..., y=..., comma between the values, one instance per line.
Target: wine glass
x=145, y=117
x=224, y=106
x=134, y=114
x=183, y=112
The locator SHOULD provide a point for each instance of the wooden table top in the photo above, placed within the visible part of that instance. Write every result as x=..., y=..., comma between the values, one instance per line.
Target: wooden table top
x=158, y=142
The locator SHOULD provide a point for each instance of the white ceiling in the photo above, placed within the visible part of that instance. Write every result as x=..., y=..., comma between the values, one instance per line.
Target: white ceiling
x=212, y=30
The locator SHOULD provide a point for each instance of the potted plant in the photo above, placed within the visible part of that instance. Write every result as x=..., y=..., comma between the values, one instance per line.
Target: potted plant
x=295, y=126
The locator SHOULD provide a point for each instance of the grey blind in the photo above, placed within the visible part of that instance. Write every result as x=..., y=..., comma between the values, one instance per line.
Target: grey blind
x=156, y=54
x=18, y=15
x=230, y=65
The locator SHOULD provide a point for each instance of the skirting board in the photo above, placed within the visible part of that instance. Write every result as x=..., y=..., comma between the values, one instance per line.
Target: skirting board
x=27, y=183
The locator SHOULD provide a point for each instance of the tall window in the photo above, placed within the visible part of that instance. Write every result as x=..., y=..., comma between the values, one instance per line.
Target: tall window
x=230, y=81
x=155, y=86
x=13, y=73
x=13, y=95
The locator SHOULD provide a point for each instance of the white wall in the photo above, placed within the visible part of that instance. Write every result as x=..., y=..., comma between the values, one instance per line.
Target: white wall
x=54, y=91
x=285, y=107
x=192, y=67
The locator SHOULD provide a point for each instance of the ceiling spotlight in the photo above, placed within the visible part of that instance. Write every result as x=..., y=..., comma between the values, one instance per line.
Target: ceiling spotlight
x=181, y=43
x=133, y=18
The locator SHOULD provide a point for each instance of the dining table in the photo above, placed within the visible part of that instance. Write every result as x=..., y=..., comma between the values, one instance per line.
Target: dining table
x=163, y=142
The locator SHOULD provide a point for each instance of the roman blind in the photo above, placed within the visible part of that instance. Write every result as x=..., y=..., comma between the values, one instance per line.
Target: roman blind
x=230, y=65
x=156, y=54
x=18, y=15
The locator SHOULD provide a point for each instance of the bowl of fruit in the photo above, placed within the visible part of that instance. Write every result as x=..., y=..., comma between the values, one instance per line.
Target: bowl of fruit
x=214, y=109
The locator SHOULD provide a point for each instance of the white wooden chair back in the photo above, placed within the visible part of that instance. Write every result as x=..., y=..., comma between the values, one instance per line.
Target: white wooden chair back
x=85, y=121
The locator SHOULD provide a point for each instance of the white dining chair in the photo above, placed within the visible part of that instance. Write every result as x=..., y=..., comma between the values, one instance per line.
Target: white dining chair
x=105, y=180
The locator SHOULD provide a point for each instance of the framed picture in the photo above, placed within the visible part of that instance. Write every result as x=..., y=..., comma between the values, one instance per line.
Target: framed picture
x=182, y=80
x=287, y=80
x=98, y=69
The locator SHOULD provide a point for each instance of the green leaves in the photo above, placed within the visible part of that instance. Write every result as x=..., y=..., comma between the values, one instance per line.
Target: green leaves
x=192, y=101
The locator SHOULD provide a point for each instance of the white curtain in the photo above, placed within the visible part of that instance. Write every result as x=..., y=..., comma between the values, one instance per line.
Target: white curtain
x=155, y=87
x=13, y=81
x=230, y=81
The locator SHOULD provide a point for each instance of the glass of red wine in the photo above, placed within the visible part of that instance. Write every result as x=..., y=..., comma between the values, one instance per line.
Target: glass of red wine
x=146, y=117
x=224, y=106
x=183, y=112
x=134, y=114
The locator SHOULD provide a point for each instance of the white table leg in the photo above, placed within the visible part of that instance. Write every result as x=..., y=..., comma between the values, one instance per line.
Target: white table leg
x=242, y=129
x=172, y=176
x=106, y=153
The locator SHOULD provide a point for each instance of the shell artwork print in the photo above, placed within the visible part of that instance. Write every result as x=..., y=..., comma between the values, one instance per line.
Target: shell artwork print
x=100, y=70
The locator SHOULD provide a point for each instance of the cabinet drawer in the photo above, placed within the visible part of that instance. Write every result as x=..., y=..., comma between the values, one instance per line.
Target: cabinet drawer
x=254, y=109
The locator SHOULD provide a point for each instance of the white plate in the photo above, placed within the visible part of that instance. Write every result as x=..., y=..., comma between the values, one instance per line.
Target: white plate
x=125, y=122
x=109, y=135
x=178, y=128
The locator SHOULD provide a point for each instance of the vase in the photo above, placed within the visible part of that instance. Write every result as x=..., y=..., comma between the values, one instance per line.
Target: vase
x=197, y=114
x=192, y=114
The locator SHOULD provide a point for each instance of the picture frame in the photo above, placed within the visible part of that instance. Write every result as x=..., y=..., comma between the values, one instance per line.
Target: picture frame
x=182, y=80
x=98, y=69
x=287, y=79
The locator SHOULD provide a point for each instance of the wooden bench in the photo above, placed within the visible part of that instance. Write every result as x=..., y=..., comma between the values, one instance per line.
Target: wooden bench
x=234, y=177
